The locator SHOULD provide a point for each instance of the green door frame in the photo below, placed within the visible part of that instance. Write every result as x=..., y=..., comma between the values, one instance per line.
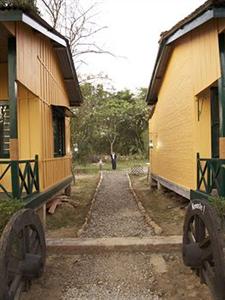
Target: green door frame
x=215, y=122
x=12, y=91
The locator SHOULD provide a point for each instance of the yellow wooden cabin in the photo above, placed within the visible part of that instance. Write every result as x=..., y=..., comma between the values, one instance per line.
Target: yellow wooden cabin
x=187, y=103
x=38, y=85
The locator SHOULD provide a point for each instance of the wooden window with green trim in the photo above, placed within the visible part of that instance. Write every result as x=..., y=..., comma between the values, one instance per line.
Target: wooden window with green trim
x=4, y=131
x=59, y=133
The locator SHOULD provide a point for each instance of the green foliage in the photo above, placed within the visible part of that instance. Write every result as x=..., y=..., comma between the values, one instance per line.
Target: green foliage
x=7, y=209
x=30, y=5
x=219, y=204
x=110, y=121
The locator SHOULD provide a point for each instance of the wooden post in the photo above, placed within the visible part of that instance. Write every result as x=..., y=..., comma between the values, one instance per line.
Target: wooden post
x=12, y=90
x=221, y=90
x=159, y=186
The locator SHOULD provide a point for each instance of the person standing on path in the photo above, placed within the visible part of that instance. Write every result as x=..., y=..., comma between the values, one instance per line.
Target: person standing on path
x=113, y=160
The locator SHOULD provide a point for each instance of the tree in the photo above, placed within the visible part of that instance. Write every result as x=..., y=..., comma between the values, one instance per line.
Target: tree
x=76, y=24
x=110, y=121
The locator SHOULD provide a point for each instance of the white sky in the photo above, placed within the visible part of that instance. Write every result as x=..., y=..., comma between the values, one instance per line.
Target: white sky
x=134, y=28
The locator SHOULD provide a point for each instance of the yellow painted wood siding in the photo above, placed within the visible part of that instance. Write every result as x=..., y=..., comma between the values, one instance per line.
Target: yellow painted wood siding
x=202, y=122
x=40, y=84
x=29, y=124
x=38, y=68
x=174, y=128
x=3, y=81
x=39, y=73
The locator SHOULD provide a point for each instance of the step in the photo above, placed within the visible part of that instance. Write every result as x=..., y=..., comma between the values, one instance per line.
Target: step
x=126, y=244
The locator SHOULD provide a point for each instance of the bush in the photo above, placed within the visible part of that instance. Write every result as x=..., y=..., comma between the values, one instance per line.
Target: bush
x=7, y=209
x=219, y=204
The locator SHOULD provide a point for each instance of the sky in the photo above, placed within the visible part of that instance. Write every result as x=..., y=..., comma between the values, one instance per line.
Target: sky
x=132, y=34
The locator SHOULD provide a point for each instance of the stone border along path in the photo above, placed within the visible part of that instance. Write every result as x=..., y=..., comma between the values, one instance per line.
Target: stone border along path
x=87, y=219
x=156, y=228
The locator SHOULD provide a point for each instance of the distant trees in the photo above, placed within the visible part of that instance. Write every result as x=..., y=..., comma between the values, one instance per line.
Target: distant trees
x=110, y=121
x=26, y=4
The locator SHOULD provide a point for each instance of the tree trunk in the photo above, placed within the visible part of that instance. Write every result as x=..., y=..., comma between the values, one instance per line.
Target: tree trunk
x=111, y=147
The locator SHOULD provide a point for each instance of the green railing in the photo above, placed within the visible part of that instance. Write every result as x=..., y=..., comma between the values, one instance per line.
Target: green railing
x=211, y=175
x=21, y=178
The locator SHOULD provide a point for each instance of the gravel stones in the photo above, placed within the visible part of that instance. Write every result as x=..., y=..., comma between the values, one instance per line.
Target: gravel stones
x=115, y=213
x=112, y=276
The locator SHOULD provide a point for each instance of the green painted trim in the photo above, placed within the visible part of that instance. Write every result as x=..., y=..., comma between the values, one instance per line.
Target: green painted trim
x=15, y=179
x=214, y=103
x=12, y=87
x=39, y=199
x=4, y=102
x=14, y=15
x=163, y=56
x=190, y=26
x=198, y=195
x=221, y=85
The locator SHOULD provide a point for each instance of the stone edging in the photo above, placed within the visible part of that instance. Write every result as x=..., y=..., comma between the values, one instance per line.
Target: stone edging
x=88, y=217
x=156, y=228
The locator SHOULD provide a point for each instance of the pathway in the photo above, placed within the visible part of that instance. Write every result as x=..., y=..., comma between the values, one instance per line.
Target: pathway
x=115, y=212
x=116, y=275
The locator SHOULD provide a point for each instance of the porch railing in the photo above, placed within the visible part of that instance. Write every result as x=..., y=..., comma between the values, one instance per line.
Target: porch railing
x=211, y=175
x=19, y=178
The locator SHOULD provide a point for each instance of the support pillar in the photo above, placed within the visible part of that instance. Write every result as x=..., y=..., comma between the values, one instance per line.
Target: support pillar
x=221, y=91
x=12, y=91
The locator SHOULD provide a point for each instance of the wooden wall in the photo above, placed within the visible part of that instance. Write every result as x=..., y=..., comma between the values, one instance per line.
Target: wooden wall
x=45, y=81
x=176, y=132
x=3, y=81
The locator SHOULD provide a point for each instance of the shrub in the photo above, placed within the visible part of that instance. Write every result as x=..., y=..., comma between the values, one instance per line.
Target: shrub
x=7, y=209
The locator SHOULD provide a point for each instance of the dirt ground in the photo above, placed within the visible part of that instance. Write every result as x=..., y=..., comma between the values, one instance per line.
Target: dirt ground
x=125, y=276
x=165, y=207
x=121, y=275
x=67, y=220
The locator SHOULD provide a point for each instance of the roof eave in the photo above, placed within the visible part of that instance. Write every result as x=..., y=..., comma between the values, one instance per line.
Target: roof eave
x=73, y=89
x=166, y=46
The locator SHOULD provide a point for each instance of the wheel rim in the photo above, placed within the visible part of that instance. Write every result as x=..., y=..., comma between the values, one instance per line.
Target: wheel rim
x=203, y=242
x=22, y=252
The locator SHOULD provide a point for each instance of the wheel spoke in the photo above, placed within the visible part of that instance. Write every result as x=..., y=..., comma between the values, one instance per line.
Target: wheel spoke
x=199, y=229
x=202, y=226
x=17, y=241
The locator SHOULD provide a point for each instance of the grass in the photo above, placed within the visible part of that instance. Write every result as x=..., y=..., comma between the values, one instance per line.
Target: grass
x=164, y=207
x=219, y=204
x=7, y=209
x=67, y=220
x=92, y=168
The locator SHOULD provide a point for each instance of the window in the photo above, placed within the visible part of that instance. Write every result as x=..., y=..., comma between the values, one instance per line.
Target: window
x=4, y=131
x=59, y=132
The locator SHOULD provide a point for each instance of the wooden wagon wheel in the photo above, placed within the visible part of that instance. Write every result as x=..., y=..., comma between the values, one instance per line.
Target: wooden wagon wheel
x=203, y=246
x=22, y=252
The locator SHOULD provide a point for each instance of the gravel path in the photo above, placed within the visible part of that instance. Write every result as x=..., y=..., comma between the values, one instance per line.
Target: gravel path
x=116, y=275
x=115, y=213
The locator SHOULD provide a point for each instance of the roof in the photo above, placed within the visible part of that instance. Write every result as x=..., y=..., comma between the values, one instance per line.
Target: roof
x=59, y=42
x=209, y=10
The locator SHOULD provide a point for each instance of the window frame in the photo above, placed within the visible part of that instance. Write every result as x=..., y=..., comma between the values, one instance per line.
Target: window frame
x=59, y=136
